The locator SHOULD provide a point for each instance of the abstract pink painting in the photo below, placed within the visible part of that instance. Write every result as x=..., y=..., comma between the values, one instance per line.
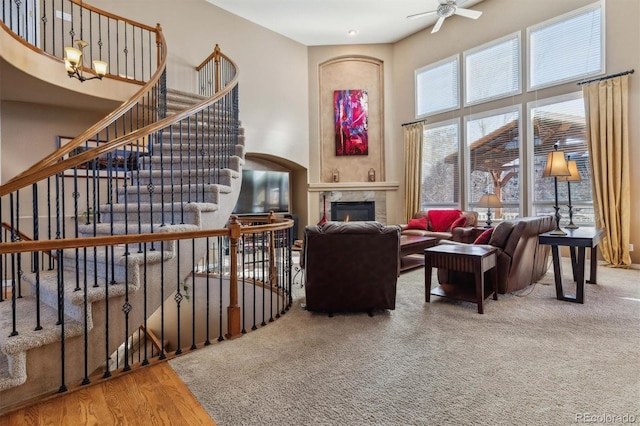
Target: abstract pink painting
x=350, y=121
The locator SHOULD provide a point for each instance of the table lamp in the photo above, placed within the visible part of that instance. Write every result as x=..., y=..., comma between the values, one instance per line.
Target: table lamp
x=574, y=177
x=489, y=201
x=556, y=167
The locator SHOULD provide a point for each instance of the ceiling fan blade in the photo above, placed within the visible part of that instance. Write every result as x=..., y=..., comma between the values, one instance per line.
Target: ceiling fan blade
x=436, y=27
x=420, y=15
x=468, y=13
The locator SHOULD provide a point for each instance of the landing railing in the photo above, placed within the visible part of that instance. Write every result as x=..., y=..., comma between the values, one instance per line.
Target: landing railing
x=129, y=47
x=243, y=283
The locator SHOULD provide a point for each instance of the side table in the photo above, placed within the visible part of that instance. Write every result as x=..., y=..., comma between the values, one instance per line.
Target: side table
x=576, y=239
x=463, y=258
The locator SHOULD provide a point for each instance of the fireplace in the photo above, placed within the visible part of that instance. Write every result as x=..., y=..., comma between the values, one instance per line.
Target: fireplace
x=353, y=211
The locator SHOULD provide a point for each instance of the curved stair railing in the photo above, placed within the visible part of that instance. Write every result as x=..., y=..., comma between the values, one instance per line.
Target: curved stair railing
x=133, y=208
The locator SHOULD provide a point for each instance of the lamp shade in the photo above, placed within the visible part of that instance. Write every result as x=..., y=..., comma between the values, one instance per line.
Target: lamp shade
x=575, y=174
x=72, y=55
x=556, y=165
x=100, y=67
x=490, y=201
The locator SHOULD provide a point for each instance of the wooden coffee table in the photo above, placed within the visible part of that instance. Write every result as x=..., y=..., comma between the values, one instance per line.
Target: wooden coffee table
x=463, y=258
x=411, y=245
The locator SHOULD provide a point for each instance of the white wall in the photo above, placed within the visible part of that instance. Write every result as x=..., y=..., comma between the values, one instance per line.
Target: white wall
x=273, y=69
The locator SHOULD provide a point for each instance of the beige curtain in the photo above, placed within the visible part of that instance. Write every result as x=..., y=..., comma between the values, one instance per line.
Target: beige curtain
x=606, y=104
x=412, y=168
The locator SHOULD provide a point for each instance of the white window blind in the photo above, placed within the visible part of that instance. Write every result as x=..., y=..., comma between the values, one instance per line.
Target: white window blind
x=493, y=152
x=492, y=71
x=561, y=120
x=566, y=48
x=440, y=167
x=437, y=87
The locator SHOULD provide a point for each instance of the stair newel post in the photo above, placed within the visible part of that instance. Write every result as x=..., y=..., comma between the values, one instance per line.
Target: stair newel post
x=159, y=41
x=216, y=59
x=233, y=310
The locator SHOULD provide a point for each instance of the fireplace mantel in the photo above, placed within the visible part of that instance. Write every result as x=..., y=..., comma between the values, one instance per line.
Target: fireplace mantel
x=353, y=186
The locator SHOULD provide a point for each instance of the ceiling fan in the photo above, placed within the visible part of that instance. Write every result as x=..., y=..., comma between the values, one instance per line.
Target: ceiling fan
x=445, y=10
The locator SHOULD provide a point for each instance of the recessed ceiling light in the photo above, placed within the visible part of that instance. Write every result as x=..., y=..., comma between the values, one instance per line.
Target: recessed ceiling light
x=352, y=32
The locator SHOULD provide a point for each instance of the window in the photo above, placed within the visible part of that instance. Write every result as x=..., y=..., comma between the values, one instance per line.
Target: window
x=482, y=150
x=560, y=119
x=566, y=48
x=440, y=168
x=493, y=152
x=492, y=71
x=437, y=87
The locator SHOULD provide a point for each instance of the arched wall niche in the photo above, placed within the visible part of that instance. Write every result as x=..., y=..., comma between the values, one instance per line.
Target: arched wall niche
x=351, y=73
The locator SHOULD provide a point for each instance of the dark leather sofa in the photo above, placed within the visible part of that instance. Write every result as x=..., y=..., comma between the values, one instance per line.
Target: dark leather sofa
x=521, y=260
x=351, y=266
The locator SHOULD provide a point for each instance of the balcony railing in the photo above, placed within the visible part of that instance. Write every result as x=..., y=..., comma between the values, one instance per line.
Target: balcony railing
x=129, y=47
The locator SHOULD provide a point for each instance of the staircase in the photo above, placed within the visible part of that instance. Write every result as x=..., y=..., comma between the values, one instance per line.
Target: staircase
x=109, y=291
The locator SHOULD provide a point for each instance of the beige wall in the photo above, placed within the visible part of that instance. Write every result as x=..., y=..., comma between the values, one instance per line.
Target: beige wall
x=318, y=55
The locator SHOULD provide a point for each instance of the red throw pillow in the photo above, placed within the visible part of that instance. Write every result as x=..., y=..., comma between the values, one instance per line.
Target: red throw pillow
x=420, y=223
x=484, y=237
x=441, y=220
x=459, y=222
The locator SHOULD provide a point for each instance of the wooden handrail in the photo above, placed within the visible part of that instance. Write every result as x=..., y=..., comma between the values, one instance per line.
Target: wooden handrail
x=24, y=237
x=152, y=337
x=67, y=243
x=43, y=168
x=36, y=174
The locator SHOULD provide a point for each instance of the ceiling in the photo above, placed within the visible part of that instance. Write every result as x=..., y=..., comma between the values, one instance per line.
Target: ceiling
x=327, y=22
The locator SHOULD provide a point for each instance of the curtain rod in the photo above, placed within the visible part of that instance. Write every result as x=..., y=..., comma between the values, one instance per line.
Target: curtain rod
x=414, y=122
x=606, y=77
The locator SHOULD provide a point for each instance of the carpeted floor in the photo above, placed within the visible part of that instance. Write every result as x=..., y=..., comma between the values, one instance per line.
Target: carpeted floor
x=529, y=360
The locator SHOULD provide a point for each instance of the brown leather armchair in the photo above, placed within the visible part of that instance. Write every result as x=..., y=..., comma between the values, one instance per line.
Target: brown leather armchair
x=351, y=266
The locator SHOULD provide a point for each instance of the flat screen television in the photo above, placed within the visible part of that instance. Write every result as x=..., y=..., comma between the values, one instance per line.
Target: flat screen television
x=263, y=191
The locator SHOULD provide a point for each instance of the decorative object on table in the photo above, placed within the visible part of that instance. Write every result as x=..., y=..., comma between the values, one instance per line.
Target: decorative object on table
x=350, y=112
x=324, y=210
x=574, y=177
x=556, y=167
x=335, y=175
x=372, y=175
x=489, y=201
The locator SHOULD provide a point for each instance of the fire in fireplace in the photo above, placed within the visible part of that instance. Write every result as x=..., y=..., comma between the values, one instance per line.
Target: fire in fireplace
x=354, y=211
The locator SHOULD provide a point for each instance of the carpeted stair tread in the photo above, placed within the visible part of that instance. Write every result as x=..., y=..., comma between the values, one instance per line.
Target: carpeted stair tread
x=233, y=163
x=176, y=189
x=157, y=207
x=28, y=337
x=193, y=172
x=122, y=229
x=74, y=297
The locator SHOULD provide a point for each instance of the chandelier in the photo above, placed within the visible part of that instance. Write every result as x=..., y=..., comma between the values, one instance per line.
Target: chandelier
x=74, y=58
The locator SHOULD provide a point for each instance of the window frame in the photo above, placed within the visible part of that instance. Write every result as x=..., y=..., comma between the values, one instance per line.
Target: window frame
x=518, y=91
x=448, y=122
x=418, y=71
x=549, y=22
x=467, y=155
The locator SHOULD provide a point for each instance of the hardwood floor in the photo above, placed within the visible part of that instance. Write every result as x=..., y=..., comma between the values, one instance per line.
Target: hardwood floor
x=153, y=395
